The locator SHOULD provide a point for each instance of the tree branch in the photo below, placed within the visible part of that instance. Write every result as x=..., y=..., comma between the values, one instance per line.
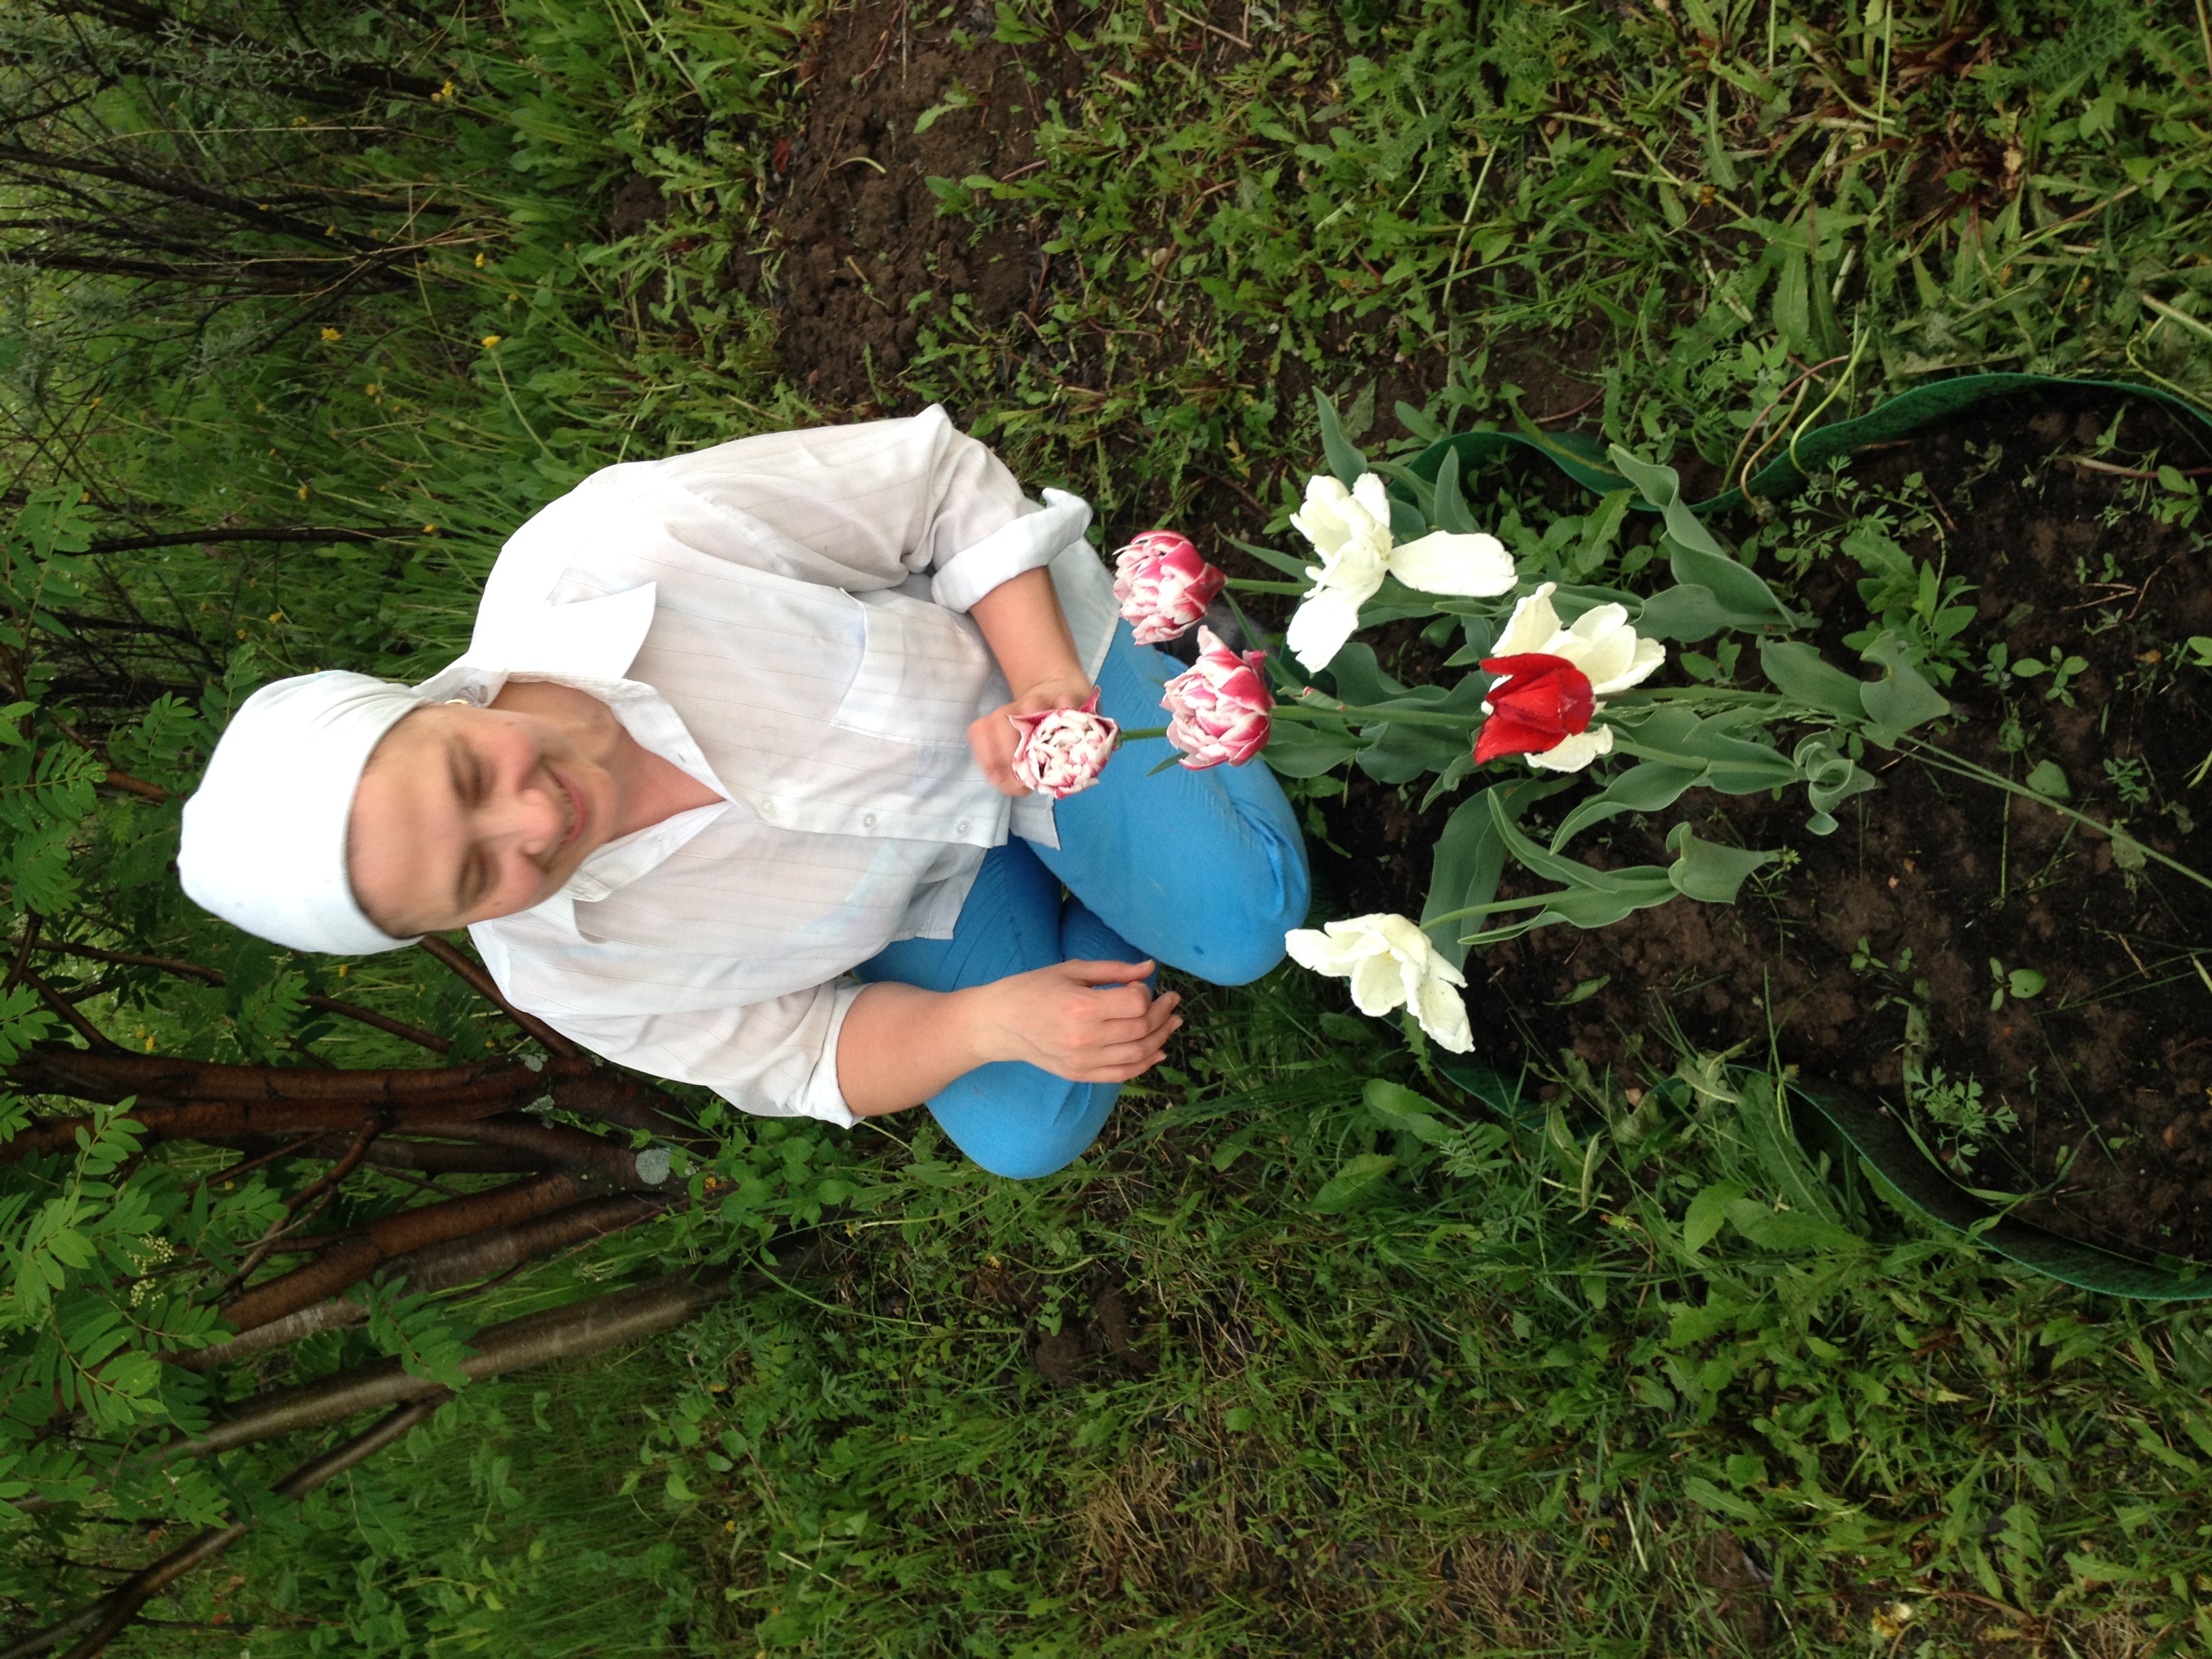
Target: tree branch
x=105, y=1619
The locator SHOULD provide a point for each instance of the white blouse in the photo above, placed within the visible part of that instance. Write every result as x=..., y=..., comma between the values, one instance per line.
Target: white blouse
x=783, y=618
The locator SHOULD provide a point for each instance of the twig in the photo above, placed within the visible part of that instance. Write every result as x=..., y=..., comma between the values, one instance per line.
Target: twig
x=105, y=1618
x=435, y=1043
x=481, y=982
x=53, y=1000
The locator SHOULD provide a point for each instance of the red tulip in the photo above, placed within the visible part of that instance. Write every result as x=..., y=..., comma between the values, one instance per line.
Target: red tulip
x=1538, y=703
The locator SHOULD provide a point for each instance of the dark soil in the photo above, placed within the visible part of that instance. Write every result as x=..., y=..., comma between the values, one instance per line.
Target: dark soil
x=859, y=261
x=2107, y=1069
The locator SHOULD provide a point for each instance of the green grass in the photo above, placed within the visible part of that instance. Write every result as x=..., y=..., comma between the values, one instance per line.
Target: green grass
x=1476, y=1387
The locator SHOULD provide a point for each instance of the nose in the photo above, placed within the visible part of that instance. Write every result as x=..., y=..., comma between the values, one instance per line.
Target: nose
x=533, y=817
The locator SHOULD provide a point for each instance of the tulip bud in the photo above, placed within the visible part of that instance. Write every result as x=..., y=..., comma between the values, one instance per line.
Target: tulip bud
x=1164, y=586
x=1063, y=751
x=1219, y=706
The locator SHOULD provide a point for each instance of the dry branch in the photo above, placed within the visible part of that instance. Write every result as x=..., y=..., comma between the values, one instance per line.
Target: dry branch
x=439, y=1267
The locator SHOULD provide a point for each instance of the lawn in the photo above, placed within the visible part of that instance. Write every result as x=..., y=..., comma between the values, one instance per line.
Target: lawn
x=1336, y=1343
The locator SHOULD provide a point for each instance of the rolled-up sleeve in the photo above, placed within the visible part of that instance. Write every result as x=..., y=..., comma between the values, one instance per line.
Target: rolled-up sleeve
x=868, y=507
x=774, y=1059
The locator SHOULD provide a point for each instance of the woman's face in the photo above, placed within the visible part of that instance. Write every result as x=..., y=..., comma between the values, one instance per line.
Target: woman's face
x=464, y=814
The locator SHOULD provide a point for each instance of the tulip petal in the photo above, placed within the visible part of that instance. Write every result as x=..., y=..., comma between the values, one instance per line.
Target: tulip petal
x=1576, y=752
x=1531, y=627
x=1322, y=623
x=1443, y=1014
x=1650, y=653
x=1370, y=496
x=1442, y=562
x=1378, y=985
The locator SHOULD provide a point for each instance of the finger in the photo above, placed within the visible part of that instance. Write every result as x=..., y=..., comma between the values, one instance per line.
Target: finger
x=1108, y=973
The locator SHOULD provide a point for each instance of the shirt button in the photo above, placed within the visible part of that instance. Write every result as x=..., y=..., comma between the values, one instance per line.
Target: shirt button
x=768, y=809
x=961, y=828
x=868, y=819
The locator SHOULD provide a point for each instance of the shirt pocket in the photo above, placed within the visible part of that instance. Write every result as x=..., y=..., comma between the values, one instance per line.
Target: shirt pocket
x=925, y=673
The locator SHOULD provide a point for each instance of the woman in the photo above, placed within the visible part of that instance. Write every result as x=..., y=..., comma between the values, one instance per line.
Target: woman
x=722, y=790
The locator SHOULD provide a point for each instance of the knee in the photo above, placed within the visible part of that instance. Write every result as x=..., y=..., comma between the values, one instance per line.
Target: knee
x=1022, y=1127
x=1248, y=943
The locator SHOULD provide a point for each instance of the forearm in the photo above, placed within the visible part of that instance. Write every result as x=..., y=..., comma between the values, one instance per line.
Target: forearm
x=1022, y=623
x=900, y=1044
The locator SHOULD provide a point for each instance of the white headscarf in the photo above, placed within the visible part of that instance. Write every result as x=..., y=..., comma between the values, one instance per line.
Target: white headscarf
x=264, y=837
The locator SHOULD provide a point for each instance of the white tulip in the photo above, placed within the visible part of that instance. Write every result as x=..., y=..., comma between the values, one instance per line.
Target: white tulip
x=1601, y=644
x=1350, y=531
x=1391, y=963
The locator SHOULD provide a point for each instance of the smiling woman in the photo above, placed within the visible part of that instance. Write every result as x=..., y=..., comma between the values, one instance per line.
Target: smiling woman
x=723, y=788
x=465, y=813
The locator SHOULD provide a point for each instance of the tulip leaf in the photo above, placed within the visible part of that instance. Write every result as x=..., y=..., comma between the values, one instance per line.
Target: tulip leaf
x=1358, y=678
x=1902, y=698
x=1640, y=887
x=1688, y=530
x=1306, y=748
x=1470, y=856
x=1286, y=563
x=1647, y=787
x=1705, y=869
x=1660, y=485
x=1398, y=753
x=1830, y=777
x=1344, y=457
x=1687, y=611
x=1738, y=589
x=1447, y=504
x=1354, y=1182
x=1799, y=671
x=1399, y=1108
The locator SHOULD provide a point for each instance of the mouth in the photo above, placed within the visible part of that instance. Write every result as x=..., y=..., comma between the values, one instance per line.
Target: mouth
x=572, y=811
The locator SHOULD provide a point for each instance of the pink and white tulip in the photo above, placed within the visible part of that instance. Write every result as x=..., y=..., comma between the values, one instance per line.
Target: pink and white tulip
x=1063, y=751
x=1219, y=706
x=1164, y=586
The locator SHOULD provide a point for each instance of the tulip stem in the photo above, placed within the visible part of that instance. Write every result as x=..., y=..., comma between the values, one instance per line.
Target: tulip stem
x=1252, y=585
x=1141, y=733
x=1314, y=705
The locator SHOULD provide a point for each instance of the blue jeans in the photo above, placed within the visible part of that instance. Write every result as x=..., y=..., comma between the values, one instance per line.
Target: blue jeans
x=1204, y=871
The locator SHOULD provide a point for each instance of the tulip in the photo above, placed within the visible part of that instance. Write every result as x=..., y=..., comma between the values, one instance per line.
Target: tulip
x=1555, y=680
x=1351, y=530
x=1390, y=963
x=1063, y=751
x=1164, y=586
x=1538, y=703
x=1219, y=706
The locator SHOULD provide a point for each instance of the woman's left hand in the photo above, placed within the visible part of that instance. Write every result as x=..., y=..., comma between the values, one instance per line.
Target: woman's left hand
x=994, y=737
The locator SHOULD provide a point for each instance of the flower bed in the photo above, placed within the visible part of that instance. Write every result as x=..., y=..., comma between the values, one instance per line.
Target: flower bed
x=2028, y=984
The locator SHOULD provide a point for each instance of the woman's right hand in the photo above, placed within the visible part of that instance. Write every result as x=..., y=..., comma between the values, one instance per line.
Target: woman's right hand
x=1089, y=1021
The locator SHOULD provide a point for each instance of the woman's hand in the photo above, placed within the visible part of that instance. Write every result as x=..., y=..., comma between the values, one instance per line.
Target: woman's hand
x=995, y=738
x=1089, y=1021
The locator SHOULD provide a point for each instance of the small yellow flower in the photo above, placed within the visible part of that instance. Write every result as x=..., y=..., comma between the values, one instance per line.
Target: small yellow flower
x=479, y=261
x=241, y=632
x=332, y=334
x=276, y=616
x=303, y=492
x=491, y=340
x=1890, y=1619
x=429, y=530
